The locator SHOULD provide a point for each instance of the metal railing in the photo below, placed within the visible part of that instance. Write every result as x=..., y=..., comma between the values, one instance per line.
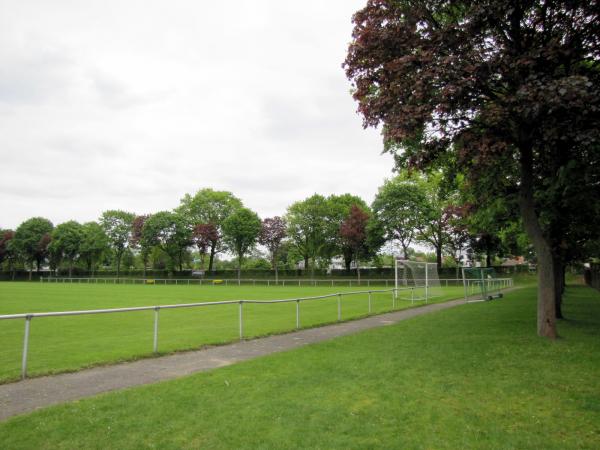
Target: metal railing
x=501, y=283
x=244, y=281
x=29, y=316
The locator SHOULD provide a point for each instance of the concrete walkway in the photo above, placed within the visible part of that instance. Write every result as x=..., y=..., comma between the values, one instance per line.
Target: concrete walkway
x=28, y=395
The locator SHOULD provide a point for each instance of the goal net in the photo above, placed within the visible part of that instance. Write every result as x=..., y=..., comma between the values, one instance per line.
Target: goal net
x=481, y=284
x=416, y=281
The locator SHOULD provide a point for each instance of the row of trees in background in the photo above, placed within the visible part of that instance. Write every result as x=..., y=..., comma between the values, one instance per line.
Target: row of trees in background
x=408, y=209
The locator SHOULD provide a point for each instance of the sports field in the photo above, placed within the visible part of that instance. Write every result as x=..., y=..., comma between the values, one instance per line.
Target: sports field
x=474, y=376
x=59, y=344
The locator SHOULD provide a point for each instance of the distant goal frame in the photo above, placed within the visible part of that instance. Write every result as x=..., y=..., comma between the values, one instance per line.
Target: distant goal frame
x=402, y=262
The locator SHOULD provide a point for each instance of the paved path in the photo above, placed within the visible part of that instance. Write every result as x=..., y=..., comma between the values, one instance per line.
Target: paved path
x=28, y=395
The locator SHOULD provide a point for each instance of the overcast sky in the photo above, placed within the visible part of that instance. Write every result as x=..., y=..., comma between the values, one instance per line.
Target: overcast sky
x=131, y=104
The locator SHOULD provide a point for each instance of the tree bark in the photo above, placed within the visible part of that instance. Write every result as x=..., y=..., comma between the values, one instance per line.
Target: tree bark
x=558, y=286
x=274, y=266
x=404, y=250
x=358, y=270
x=211, y=259
x=546, y=313
x=119, y=263
x=438, y=256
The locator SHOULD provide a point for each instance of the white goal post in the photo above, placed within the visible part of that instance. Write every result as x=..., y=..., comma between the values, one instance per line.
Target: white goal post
x=416, y=280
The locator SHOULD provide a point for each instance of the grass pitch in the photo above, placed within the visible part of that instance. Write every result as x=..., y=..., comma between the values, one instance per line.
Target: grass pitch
x=59, y=344
x=474, y=376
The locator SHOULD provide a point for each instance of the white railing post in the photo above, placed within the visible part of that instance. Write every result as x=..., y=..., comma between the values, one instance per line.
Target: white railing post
x=241, y=320
x=297, y=314
x=155, y=347
x=369, y=302
x=25, y=347
x=393, y=298
x=339, y=307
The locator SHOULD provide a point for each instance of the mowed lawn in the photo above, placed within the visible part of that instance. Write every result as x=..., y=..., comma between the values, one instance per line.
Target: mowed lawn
x=69, y=343
x=475, y=376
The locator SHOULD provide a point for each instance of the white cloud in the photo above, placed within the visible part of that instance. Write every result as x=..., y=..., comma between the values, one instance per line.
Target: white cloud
x=109, y=104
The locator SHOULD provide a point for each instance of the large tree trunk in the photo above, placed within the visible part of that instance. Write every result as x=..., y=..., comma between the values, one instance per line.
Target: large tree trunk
x=358, y=270
x=438, y=256
x=558, y=286
x=404, y=250
x=274, y=266
x=119, y=263
x=546, y=313
x=306, y=264
x=211, y=259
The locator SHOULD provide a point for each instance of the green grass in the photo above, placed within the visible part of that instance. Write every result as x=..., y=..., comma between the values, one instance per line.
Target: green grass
x=475, y=376
x=59, y=344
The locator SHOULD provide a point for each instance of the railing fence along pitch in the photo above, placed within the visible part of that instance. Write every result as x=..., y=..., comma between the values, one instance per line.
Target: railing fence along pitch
x=29, y=316
x=504, y=283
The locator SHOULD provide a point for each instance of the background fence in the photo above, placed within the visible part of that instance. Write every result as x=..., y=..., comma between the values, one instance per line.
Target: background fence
x=300, y=282
x=367, y=273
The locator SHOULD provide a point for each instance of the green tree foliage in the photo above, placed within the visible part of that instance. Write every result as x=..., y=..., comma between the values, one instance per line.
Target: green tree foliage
x=434, y=228
x=354, y=234
x=272, y=234
x=205, y=236
x=401, y=208
x=169, y=232
x=5, y=237
x=7, y=252
x=93, y=245
x=511, y=89
x=137, y=227
x=66, y=243
x=118, y=228
x=212, y=207
x=31, y=241
x=307, y=227
x=339, y=207
x=240, y=232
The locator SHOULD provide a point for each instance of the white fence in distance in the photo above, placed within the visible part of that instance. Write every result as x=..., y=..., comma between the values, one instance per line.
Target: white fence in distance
x=249, y=281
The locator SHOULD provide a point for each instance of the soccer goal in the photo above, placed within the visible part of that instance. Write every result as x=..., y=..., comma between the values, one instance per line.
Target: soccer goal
x=481, y=284
x=416, y=281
